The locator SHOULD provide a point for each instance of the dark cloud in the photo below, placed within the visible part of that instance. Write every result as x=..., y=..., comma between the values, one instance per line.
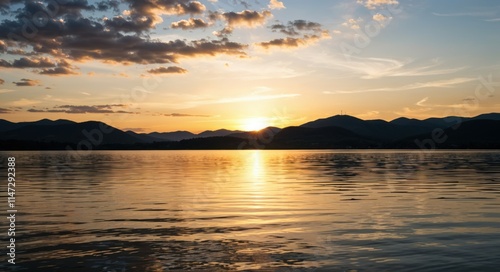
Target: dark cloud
x=82, y=39
x=185, y=115
x=290, y=42
x=57, y=71
x=192, y=23
x=108, y=5
x=4, y=110
x=49, y=66
x=248, y=18
x=28, y=63
x=293, y=28
x=5, y=5
x=131, y=24
x=67, y=33
x=25, y=82
x=224, y=32
x=168, y=70
x=310, y=32
x=152, y=9
x=82, y=109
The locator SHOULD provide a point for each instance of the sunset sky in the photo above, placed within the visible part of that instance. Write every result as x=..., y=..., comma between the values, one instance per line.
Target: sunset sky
x=165, y=65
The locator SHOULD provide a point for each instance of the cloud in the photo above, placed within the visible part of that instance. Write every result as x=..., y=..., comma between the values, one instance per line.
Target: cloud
x=290, y=42
x=447, y=83
x=82, y=38
x=168, y=70
x=373, y=68
x=493, y=20
x=185, y=115
x=379, y=17
x=293, y=28
x=82, y=109
x=311, y=33
x=352, y=23
x=246, y=18
x=5, y=91
x=421, y=102
x=150, y=11
x=24, y=62
x=468, y=102
x=275, y=4
x=4, y=110
x=192, y=23
x=24, y=102
x=50, y=67
x=57, y=71
x=25, y=82
x=462, y=14
x=372, y=4
x=252, y=98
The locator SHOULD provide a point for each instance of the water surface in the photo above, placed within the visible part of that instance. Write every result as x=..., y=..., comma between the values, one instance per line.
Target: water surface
x=256, y=211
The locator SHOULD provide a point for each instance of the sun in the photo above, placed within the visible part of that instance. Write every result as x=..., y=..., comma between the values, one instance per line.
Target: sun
x=254, y=124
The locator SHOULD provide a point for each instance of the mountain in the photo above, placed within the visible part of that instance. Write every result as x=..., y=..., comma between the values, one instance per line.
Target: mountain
x=444, y=122
x=172, y=136
x=183, y=135
x=144, y=137
x=323, y=137
x=396, y=129
x=6, y=125
x=340, y=131
x=375, y=129
x=476, y=133
x=61, y=131
x=216, y=133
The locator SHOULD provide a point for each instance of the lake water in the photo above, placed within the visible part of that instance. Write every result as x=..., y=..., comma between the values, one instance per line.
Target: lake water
x=255, y=211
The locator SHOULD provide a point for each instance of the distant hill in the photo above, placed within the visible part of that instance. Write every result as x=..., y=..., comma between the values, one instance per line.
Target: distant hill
x=181, y=135
x=476, y=133
x=6, y=125
x=340, y=131
x=375, y=129
x=322, y=137
x=61, y=131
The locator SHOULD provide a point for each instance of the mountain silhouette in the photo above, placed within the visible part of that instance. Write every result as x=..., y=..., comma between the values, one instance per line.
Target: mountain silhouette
x=339, y=131
x=63, y=131
x=374, y=129
x=180, y=135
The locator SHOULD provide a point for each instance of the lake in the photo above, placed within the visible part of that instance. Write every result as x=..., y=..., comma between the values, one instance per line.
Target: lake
x=251, y=210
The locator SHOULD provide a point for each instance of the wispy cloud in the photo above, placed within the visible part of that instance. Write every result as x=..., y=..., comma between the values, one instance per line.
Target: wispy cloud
x=447, y=83
x=378, y=68
x=493, y=20
x=82, y=109
x=26, y=82
x=24, y=102
x=188, y=101
x=4, y=110
x=185, y=115
x=462, y=14
x=5, y=91
x=372, y=4
x=250, y=98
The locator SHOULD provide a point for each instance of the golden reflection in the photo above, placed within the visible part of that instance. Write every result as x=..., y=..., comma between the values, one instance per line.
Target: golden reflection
x=257, y=166
x=256, y=175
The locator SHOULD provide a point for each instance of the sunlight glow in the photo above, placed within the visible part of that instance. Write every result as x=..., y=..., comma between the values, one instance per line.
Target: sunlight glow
x=254, y=124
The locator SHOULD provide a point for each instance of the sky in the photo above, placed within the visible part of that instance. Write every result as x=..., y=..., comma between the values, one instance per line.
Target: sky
x=167, y=65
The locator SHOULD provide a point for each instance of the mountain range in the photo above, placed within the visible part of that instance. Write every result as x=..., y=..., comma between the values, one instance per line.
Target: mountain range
x=339, y=131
